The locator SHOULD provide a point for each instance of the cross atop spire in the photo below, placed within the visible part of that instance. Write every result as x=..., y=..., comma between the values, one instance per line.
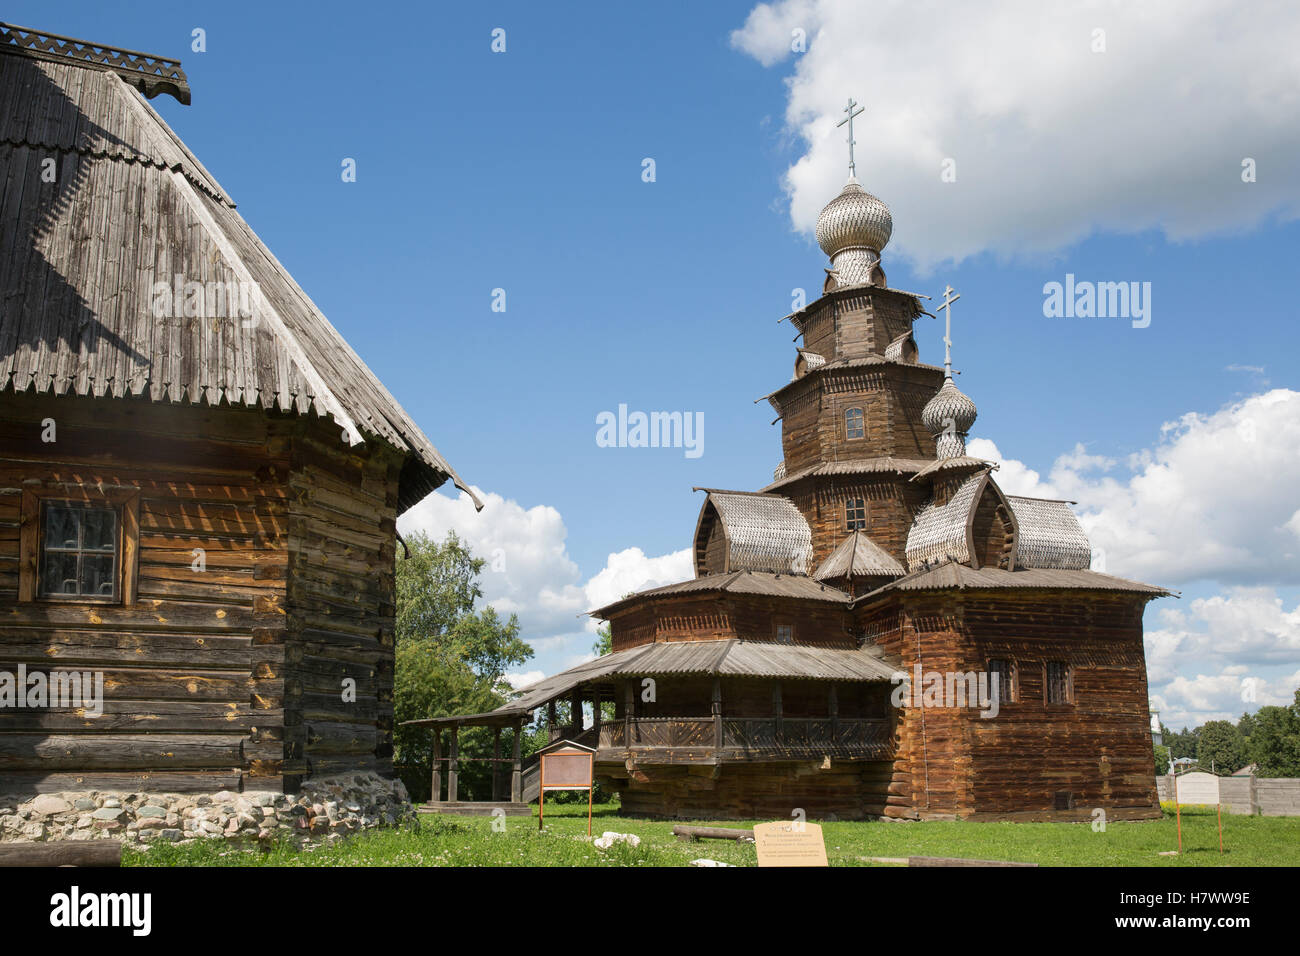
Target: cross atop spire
x=948, y=300
x=852, y=142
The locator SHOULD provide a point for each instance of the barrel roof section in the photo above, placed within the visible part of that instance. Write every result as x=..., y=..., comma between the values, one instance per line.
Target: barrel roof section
x=1050, y=535
x=763, y=532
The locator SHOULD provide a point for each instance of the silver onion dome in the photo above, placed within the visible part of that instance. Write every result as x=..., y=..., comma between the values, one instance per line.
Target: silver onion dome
x=949, y=416
x=854, y=219
x=852, y=230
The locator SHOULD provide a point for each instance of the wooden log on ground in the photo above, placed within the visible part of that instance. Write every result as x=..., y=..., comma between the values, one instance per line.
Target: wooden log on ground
x=957, y=861
x=80, y=853
x=683, y=832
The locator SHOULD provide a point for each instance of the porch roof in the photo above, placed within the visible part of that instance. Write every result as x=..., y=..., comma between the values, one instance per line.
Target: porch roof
x=730, y=658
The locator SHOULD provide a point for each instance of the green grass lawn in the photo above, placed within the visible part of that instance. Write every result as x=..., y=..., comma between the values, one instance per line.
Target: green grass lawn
x=471, y=841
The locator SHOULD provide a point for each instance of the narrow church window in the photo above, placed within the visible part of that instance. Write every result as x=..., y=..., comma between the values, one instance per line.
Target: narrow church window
x=1058, y=683
x=79, y=550
x=855, y=514
x=853, y=423
x=1002, y=668
x=785, y=633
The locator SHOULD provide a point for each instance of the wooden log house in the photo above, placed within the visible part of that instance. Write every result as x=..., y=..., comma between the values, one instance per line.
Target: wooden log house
x=199, y=478
x=767, y=684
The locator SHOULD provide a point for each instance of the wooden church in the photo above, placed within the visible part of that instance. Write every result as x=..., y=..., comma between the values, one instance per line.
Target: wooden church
x=828, y=654
x=199, y=478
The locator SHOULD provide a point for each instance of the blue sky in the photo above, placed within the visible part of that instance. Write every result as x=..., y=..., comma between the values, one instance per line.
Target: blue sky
x=522, y=171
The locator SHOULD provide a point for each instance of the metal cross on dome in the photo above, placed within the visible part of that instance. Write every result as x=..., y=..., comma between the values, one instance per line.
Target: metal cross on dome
x=852, y=142
x=946, y=307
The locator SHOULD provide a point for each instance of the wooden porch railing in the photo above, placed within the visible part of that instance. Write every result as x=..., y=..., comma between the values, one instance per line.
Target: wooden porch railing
x=753, y=734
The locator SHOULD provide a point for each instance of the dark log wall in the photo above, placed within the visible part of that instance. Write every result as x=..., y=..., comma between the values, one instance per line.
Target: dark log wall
x=217, y=679
x=725, y=616
x=188, y=668
x=892, y=504
x=1033, y=760
x=342, y=602
x=992, y=532
x=751, y=791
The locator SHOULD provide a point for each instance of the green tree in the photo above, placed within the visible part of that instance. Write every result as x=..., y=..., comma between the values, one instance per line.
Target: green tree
x=450, y=659
x=1219, y=747
x=604, y=642
x=1182, y=743
x=1162, y=760
x=1274, y=742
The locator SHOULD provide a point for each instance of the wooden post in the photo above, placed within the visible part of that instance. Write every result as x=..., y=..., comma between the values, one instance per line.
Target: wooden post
x=717, y=716
x=575, y=714
x=453, y=765
x=550, y=721
x=516, y=770
x=496, y=764
x=629, y=704
x=435, y=794
x=833, y=705
x=595, y=714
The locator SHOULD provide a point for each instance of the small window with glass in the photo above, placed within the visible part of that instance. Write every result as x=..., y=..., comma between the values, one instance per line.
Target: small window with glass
x=80, y=551
x=1003, y=670
x=853, y=423
x=785, y=633
x=1058, y=683
x=855, y=514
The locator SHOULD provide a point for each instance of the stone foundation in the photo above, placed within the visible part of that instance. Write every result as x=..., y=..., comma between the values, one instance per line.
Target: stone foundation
x=326, y=809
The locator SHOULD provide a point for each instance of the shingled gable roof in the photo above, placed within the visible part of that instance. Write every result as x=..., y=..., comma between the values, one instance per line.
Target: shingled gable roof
x=858, y=556
x=131, y=207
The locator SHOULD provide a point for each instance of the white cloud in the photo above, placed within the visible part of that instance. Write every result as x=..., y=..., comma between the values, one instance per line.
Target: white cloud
x=523, y=679
x=1191, y=701
x=529, y=571
x=630, y=570
x=1213, y=498
x=1051, y=140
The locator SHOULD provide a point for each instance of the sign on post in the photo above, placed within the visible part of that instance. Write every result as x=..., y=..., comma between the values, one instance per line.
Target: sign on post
x=793, y=843
x=566, y=766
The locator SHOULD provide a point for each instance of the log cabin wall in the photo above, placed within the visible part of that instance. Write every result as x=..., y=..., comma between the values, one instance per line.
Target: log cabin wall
x=341, y=606
x=892, y=503
x=192, y=667
x=632, y=627
x=751, y=791
x=1065, y=759
x=726, y=616
x=1034, y=760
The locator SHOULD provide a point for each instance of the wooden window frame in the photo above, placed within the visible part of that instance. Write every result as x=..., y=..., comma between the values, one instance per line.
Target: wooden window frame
x=848, y=511
x=1012, y=682
x=126, y=501
x=1069, y=685
x=776, y=632
x=863, y=426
